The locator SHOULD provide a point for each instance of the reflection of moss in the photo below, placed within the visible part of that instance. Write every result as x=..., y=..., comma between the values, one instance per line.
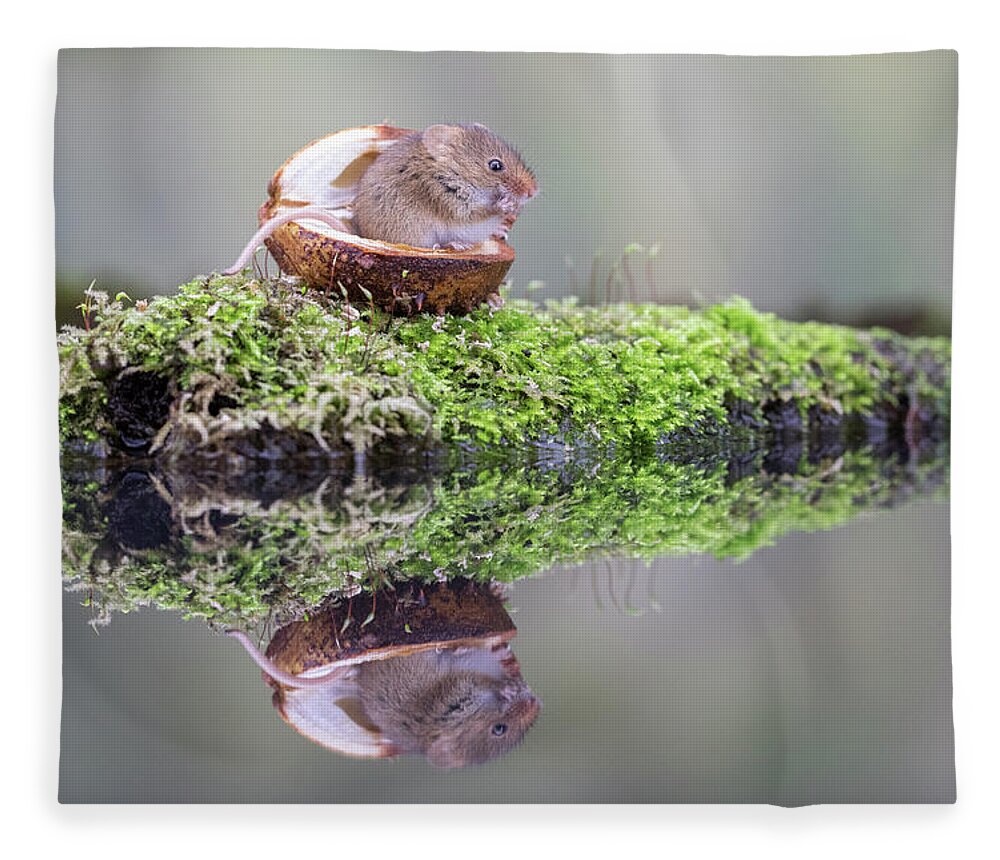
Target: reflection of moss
x=233, y=561
x=240, y=354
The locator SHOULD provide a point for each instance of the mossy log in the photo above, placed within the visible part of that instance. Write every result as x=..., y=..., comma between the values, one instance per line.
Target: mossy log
x=543, y=436
x=264, y=369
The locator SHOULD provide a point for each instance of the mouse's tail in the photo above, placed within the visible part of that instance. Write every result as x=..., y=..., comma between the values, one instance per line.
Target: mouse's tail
x=309, y=213
x=280, y=675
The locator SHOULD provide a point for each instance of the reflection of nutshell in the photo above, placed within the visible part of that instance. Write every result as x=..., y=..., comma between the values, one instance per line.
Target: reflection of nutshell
x=400, y=278
x=458, y=621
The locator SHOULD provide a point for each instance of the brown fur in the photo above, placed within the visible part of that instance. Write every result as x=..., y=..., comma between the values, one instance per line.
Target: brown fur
x=430, y=704
x=436, y=188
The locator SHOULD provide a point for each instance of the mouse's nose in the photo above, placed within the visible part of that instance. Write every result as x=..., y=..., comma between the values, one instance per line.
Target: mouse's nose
x=526, y=709
x=525, y=188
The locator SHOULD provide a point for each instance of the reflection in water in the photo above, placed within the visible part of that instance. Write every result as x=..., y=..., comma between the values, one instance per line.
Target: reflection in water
x=433, y=675
x=387, y=636
x=240, y=547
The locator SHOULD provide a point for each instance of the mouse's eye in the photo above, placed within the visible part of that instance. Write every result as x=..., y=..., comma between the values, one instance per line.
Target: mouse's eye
x=496, y=165
x=499, y=729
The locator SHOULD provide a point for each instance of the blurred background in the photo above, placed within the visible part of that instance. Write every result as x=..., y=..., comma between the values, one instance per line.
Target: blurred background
x=817, y=670
x=819, y=188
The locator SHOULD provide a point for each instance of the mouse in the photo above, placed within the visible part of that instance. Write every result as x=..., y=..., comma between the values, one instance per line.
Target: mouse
x=447, y=186
x=447, y=706
x=456, y=706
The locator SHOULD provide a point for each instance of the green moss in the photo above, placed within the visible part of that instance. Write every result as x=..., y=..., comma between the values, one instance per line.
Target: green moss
x=241, y=353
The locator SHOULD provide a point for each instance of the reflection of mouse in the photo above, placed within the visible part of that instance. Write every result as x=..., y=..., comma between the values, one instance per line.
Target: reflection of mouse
x=449, y=185
x=455, y=705
x=445, y=706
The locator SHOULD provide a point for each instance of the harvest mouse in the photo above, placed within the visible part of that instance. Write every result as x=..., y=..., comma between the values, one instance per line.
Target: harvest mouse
x=449, y=185
x=456, y=706
x=444, y=706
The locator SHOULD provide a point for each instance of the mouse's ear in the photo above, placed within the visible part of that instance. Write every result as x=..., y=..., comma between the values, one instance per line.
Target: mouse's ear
x=439, y=139
x=443, y=755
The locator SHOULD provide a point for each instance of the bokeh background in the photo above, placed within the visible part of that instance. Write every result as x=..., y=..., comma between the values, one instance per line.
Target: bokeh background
x=817, y=187
x=817, y=670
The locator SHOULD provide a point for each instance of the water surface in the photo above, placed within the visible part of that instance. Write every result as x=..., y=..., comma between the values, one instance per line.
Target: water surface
x=814, y=670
